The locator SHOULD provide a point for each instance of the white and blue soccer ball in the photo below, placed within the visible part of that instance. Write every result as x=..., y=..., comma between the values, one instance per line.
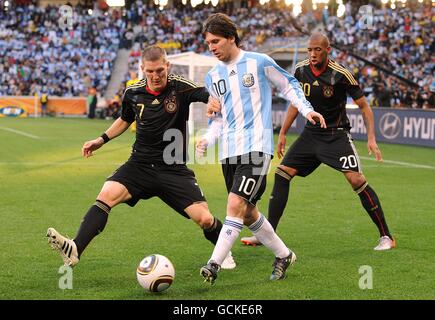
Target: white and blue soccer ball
x=155, y=273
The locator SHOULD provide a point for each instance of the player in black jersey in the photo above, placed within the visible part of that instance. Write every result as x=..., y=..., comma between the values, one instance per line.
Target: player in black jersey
x=160, y=106
x=326, y=85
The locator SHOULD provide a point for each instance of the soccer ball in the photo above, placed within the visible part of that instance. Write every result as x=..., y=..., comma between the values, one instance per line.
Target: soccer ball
x=155, y=273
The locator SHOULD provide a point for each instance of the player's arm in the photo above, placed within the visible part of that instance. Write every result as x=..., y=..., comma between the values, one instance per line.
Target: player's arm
x=213, y=106
x=291, y=115
x=369, y=122
x=117, y=128
x=354, y=90
x=290, y=88
x=190, y=91
x=214, y=130
x=193, y=93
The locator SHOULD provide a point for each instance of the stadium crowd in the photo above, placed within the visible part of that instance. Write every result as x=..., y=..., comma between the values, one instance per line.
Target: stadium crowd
x=178, y=29
x=399, y=40
x=37, y=54
x=40, y=53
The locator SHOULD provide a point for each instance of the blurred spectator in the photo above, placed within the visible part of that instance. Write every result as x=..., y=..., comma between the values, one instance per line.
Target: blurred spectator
x=114, y=108
x=382, y=96
x=92, y=102
x=44, y=100
x=133, y=79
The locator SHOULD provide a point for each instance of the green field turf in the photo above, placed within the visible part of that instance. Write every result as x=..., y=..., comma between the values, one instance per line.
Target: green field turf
x=45, y=182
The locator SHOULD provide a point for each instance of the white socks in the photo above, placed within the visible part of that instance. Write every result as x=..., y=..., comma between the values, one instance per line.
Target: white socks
x=263, y=231
x=228, y=235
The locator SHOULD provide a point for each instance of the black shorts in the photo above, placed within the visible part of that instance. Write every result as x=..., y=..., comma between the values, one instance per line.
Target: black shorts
x=333, y=148
x=246, y=175
x=176, y=185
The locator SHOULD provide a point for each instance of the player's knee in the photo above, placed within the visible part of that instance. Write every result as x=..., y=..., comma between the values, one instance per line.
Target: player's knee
x=356, y=180
x=286, y=172
x=113, y=193
x=205, y=221
x=108, y=197
x=236, y=206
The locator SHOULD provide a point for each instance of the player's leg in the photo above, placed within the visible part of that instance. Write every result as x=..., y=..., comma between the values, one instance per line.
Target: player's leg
x=95, y=219
x=248, y=186
x=372, y=205
x=246, y=182
x=339, y=152
x=118, y=188
x=299, y=160
x=92, y=224
x=264, y=232
x=280, y=192
x=201, y=215
x=277, y=201
x=211, y=226
x=231, y=228
x=181, y=191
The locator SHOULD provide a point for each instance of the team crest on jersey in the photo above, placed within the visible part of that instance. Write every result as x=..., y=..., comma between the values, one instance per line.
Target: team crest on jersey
x=171, y=103
x=328, y=91
x=248, y=80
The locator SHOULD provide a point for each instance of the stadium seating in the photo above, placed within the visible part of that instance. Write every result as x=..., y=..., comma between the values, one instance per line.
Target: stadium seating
x=37, y=54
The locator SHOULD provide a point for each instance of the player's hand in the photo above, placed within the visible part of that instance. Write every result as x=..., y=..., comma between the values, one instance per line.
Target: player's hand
x=372, y=147
x=213, y=107
x=315, y=117
x=201, y=147
x=90, y=146
x=280, y=148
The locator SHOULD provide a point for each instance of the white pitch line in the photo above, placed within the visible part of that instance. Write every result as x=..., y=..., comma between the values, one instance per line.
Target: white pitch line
x=405, y=164
x=397, y=164
x=20, y=132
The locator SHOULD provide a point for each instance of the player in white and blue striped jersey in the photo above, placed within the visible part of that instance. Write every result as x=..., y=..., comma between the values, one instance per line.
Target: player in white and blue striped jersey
x=242, y=82
x=243, y=86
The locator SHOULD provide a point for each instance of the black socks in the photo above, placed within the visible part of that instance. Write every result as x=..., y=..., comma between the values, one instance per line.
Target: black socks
x=92, y=224
x=212, y=233
x=371, y=203
x=278, y=197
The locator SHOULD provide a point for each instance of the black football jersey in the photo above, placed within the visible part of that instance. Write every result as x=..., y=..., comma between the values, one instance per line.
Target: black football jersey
x=327, y=91
x=161, y=118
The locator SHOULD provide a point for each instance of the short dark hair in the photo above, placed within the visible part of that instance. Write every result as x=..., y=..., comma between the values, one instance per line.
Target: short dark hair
x=221, y=25
x=153, y=53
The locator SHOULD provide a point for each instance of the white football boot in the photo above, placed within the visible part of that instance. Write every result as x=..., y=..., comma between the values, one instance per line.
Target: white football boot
x=229, y=262
x=251, y=241
x=385, y=243
x=66, y=247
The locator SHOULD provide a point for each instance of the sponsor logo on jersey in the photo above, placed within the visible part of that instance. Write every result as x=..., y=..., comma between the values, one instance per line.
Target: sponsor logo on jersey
x=248, y=80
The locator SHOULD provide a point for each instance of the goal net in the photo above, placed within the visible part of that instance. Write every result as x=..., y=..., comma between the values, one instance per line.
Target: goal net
x=194, y=67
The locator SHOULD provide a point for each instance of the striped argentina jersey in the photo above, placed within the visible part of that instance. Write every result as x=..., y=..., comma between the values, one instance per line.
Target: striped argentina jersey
x=244, y=89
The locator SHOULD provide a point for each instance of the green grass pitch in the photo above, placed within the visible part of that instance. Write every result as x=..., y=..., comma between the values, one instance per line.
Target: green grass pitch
x=45, y=182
